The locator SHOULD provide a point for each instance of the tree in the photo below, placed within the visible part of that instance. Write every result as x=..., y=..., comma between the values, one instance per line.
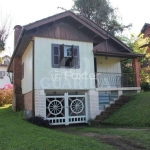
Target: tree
x=101, y=12
x=5, y=24
x=135, y=43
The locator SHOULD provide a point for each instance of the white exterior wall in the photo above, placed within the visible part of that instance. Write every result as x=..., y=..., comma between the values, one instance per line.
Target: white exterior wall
x=93, y=104
x=110, y=65
x=5, y=79
x=40, y=103
x=26, y=82
x=43, y=66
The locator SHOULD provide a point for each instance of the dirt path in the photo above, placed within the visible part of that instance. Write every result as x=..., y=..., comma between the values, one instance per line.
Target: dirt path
x=118, y=142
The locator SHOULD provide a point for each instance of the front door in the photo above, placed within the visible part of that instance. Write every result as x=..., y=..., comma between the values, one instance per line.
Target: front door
x=66, y=109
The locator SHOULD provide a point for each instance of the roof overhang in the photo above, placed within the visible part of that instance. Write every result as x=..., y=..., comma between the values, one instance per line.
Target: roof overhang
x=122, y=55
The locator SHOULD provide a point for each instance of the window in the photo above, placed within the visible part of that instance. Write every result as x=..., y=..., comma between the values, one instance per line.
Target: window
x=6, y=62
x=66, y=56
x=105, y=97
x=2, y=74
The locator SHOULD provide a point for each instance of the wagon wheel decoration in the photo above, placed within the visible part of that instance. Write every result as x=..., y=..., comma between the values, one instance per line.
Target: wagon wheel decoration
x=77, y=106
x=55, y=107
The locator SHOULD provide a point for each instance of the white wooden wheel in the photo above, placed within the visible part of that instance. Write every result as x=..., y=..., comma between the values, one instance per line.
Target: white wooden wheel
x=55, y=107
x=77, y=106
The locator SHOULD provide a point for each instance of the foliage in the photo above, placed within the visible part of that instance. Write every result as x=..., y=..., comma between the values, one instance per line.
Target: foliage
x=135, y=44
x=134, y=113
x=5, y=23
x=145, y=86
x=18, y=134
x=126, y=66
x=40, y=121
x=101, y=12
x=0, y=60
x=6, y=94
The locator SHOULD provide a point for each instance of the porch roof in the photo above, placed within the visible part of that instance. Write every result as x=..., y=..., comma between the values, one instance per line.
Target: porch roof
x=117, y=54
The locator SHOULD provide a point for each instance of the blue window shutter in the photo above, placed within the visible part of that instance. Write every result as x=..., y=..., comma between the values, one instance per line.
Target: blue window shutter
x=76, y=56
x=55, y=56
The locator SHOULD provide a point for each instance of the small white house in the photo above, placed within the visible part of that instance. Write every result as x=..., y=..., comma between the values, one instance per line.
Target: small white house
x=66, y=69
x=4, y=76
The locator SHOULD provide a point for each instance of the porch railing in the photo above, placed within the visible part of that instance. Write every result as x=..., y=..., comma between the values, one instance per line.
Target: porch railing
x=114, y=80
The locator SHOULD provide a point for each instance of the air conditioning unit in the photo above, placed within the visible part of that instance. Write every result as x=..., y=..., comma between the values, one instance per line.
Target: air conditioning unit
x=67, y=51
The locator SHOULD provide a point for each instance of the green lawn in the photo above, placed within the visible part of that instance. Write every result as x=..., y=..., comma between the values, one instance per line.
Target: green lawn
x=17, y=134
x=135, y=113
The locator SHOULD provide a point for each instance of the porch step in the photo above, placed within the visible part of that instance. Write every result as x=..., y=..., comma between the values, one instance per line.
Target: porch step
x=110, y=109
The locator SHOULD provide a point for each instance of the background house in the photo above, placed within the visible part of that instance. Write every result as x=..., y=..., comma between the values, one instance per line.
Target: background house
x=146, y=31
x=4, y=77
x=66, y=69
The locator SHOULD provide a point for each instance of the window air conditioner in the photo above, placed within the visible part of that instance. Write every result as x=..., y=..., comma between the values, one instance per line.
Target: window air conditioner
x=67, y=51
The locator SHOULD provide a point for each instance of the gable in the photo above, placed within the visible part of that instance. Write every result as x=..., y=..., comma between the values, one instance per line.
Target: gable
x=64, y=30
x=109, y=46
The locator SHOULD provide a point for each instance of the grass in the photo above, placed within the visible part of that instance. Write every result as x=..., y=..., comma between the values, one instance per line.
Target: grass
x=18, y=134
x=136, y=113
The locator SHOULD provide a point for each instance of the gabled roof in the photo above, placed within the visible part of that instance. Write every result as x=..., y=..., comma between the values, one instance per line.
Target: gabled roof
x=146, y=25
x=83, y=21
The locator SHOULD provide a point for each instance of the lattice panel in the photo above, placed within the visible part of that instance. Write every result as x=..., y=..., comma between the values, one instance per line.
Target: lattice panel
x=55, y=107
x=76, y=106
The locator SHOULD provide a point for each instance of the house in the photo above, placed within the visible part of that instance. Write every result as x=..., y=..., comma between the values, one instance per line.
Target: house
x=146, y=32
x=66, y=68
x=4, y=76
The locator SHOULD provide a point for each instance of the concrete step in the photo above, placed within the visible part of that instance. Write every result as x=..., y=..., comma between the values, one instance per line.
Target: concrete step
x=110, y=109
x=101, y=117
x=95, y=122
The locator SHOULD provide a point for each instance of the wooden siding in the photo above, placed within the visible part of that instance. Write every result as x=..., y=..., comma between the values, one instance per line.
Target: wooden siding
x=108, y=46
x=108, y=64
x=43, y=66
x=63, y=31
x=26, y=82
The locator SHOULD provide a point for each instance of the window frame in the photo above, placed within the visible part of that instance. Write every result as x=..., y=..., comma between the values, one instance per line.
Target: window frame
x=59, y=56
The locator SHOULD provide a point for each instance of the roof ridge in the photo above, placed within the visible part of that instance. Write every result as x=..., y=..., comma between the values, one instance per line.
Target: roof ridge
x=47, y=18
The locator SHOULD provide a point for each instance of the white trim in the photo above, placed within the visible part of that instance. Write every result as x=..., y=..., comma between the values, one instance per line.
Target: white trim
x=66, y=109
x=86, y=107
x=45, y=104
x=118, y=89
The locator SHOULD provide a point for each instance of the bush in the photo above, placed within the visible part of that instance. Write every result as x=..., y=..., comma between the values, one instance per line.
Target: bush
x=145, y=86
x=40, y=121
x=6, y=94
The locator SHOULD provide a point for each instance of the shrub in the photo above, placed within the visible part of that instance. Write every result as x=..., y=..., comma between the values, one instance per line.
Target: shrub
x=6, y=94
x=40, y=121
x=145, y=86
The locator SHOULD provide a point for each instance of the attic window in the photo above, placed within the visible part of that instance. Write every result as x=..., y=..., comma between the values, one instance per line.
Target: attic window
x=65, y=56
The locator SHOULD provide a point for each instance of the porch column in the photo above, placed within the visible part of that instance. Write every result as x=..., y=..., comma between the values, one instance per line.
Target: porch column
x=136, y=70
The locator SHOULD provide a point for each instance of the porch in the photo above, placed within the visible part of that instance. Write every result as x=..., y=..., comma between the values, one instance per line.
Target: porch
x=115, y=80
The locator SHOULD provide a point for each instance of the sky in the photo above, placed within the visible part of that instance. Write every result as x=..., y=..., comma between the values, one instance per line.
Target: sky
x=24, y=12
